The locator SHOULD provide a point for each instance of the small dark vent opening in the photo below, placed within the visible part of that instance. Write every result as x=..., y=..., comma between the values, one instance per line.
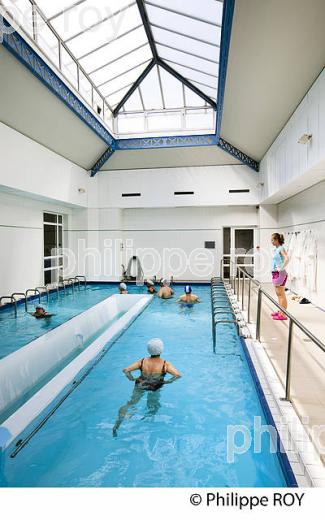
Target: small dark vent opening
x=131, y=194
x=183, y=192
x=239, y=191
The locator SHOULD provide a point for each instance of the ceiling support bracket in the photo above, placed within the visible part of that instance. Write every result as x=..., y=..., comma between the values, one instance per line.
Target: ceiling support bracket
x=102, y=160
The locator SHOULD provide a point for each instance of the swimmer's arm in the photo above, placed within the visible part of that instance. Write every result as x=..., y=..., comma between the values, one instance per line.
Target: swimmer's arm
x=127, y=371
x=170, y=369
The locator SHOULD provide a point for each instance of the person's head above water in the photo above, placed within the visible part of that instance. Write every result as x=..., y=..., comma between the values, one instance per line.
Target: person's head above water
x=188, y=289
x=155, y=347
x=39, y=309
x=123, y=287
x=164, y=282
x=150, y=283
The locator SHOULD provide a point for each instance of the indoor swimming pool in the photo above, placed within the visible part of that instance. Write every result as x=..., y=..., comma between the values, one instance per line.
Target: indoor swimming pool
x=175, y=437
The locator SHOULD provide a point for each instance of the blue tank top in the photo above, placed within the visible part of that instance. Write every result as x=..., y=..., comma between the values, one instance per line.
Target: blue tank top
x=277, y=260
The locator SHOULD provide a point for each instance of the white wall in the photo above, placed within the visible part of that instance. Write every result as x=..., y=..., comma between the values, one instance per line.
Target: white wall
x=21, y=242
x=211, y=185
x=183, y=231
x=32, y=169
x=306, y=211
x=32, y=180
x=289, y=167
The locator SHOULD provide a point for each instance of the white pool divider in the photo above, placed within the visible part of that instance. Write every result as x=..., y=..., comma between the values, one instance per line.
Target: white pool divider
x=23, y=369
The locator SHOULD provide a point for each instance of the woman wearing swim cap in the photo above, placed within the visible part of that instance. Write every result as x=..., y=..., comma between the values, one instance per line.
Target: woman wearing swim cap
x=123, y=288
x=153, y=371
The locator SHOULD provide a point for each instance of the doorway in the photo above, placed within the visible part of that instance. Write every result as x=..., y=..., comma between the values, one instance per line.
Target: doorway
x=238, y=249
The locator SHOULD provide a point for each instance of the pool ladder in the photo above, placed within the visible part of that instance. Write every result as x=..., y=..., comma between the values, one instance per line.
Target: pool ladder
x=221, y=305
x=40, y=291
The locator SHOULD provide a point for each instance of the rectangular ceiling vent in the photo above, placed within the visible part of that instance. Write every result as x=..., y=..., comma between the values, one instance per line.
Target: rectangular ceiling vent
x=183, y=192
x=239, y=191
x=131, y=194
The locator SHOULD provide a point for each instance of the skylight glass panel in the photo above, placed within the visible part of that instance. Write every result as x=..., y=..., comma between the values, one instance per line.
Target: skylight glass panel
x=114, y=99
x=51, y=8
x=47, y=41
x=114, y=50
x=209, y=10
x=150, y=89
x=122, y=81
x=186, y=44
x=188, y=60
x=196, y=76
x=89, y=15
x=172, y=90
x=21, y=11
x=85, y=88
x=134, y=102
x=199, y=120
x=131, y=124
x=192, y=100
x=105, y=32
x=69, y=67
x=165, y=122
x=123, y=65
x=209, y=91
x=189, y=26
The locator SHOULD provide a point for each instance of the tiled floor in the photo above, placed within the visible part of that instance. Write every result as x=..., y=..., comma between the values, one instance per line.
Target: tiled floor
x=308, y=360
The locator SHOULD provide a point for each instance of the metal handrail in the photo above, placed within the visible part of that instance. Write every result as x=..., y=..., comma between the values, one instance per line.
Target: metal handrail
x=20, y=294
x=43, y=288
x=12, y=300
x=79, y=279
x=292, y=320
x=52, y=286
x=35, y=292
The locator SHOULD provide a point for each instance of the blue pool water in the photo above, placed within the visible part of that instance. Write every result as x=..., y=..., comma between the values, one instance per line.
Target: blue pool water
x=175, y=437
x=17, y=332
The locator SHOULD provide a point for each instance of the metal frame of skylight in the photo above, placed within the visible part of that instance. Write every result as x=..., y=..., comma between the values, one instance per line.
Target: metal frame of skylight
x=182, y=112
x=36, y=9
x=95, y=88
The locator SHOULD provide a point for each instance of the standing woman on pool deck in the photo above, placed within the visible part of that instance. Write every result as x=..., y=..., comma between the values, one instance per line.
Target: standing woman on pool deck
x=280, y=261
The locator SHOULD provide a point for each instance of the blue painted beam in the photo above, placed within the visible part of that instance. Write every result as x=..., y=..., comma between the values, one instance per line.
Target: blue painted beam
x=241, y=156
x=227, y=18
x=102, y=160
x=177, y=141
x=17, y=46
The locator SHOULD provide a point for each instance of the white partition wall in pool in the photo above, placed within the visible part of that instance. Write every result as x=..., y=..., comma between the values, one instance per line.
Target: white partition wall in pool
x=32, y=377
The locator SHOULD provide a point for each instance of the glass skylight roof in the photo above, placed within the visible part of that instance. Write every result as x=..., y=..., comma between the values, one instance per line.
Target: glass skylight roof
x=103, y=46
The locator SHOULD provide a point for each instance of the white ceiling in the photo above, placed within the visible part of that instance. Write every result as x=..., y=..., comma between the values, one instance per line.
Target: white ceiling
x=27, y=106
x=168, y=158
x=276, y=53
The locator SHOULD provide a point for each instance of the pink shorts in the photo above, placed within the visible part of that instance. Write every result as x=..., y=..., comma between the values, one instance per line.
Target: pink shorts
x=279, y=279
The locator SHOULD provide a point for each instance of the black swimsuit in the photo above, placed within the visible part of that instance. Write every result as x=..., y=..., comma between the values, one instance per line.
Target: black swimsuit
x=151, y=382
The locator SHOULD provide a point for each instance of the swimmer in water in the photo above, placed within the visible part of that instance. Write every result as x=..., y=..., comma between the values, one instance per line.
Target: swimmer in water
x=188, y=297
x=165, y=292
x=153, y=371
x=123, y=288
x=40, y=312
x=151, y=287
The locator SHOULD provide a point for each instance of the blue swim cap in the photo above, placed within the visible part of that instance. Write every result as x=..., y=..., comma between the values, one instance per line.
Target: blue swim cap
x=188, y=289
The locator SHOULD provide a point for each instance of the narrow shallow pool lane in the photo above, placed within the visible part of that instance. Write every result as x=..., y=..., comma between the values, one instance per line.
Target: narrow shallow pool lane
x=17, y=332
x=175, y=437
